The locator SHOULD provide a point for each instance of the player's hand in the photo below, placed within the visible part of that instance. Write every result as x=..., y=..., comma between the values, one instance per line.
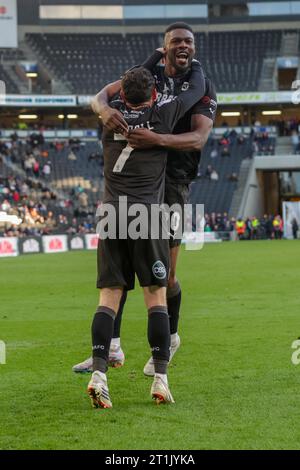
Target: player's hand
x=113, y=120
x=143, y=138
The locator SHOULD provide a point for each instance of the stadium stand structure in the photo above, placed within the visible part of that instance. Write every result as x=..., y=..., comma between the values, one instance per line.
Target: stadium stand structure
x=9, y=84
x=87, y=62
x=217, y=195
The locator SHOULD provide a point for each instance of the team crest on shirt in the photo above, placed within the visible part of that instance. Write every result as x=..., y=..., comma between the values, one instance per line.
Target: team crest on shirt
x=185, y=86
x=210, y=103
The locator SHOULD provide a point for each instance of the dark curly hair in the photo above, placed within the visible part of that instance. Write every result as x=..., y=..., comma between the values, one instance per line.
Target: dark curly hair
x=178, y=25
x=137, y=85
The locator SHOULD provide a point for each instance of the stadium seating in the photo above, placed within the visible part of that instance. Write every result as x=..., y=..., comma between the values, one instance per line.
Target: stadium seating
x=87, y=62
x=217, y=195
x=234, y=59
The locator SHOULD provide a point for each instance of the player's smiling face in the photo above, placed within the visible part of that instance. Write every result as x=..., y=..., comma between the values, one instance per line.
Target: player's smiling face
x=180, y=50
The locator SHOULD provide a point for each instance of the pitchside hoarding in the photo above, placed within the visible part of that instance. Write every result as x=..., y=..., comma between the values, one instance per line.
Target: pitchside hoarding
x=91, y=241
x=76, y=242
x=30, y=245
x=55, y=243
x=8, y=23
x=8, y=246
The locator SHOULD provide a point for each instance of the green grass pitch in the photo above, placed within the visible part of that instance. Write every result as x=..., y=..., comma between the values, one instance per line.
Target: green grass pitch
x=233, y=380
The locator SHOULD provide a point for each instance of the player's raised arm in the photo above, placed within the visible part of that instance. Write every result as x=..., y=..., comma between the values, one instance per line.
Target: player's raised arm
x=154, y=59
x=111, y=118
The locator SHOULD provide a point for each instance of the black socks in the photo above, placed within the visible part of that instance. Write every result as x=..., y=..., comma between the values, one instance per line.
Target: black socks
x=159, y=337
x=174, y=301
x=102, y=331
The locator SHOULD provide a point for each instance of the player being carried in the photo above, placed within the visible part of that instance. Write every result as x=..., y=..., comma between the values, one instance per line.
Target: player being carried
x=184, y=151
x=139, y=176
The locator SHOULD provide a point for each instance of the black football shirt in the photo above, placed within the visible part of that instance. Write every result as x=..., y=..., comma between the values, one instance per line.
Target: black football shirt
x=139, y=174
x=182, y=165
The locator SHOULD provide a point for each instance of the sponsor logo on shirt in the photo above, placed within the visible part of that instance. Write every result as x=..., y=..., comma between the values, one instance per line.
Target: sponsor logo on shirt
x=159, y=270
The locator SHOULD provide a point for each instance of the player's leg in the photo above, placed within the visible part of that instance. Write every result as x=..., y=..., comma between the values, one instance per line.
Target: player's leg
x=159, y=341
x=116, y=355
x=102, y=331
x=174, y=299
x=175, y=194
x=151, y=262
x=114, y=274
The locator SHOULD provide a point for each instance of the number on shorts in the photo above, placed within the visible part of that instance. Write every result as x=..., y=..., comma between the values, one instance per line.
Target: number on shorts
x=175, y=221
x=123, y=157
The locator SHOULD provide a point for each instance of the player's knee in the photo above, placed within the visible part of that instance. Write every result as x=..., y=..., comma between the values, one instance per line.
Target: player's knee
x=110, y=297
x=155, y=295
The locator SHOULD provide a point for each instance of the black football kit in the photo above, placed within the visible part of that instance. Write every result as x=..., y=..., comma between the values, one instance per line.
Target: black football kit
x=182, y=166
x=139, y=176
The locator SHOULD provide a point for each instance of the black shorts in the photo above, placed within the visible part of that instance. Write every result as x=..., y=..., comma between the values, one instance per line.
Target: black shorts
x=176, y=193
x=120, y=259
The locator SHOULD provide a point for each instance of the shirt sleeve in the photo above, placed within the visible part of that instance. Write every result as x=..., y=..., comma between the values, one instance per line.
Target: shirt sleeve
x=153, y=60
x=207, y=105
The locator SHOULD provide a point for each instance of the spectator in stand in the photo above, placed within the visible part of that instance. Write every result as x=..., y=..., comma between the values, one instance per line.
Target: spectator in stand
x=219, y=225
x=240, y=228
x=16, y=196
x=207, y=227
x=72, y=156
x=269, y=227
x=214, y=175
x=62, y=223
x=47, y=170
x=214, y=153
x=254, y=228
x=295, y=141
x=83, y=200
x=50, y=221
x=241, y=139
x=28, y=163
x=36, y=169
x=208, y=171
x=295, y=228
x=225, y=152
x=233, y=177
x=278, y=227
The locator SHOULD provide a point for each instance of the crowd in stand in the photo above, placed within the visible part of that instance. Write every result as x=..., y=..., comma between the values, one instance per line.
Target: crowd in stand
x=28, y=196
x=286, y=127
x=32, y=202
x=43, y=211
x=253, y=228
x=38, y=208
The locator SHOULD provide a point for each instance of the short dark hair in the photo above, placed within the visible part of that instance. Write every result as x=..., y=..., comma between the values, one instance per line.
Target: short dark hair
x=179, y=25
x=137, y=85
